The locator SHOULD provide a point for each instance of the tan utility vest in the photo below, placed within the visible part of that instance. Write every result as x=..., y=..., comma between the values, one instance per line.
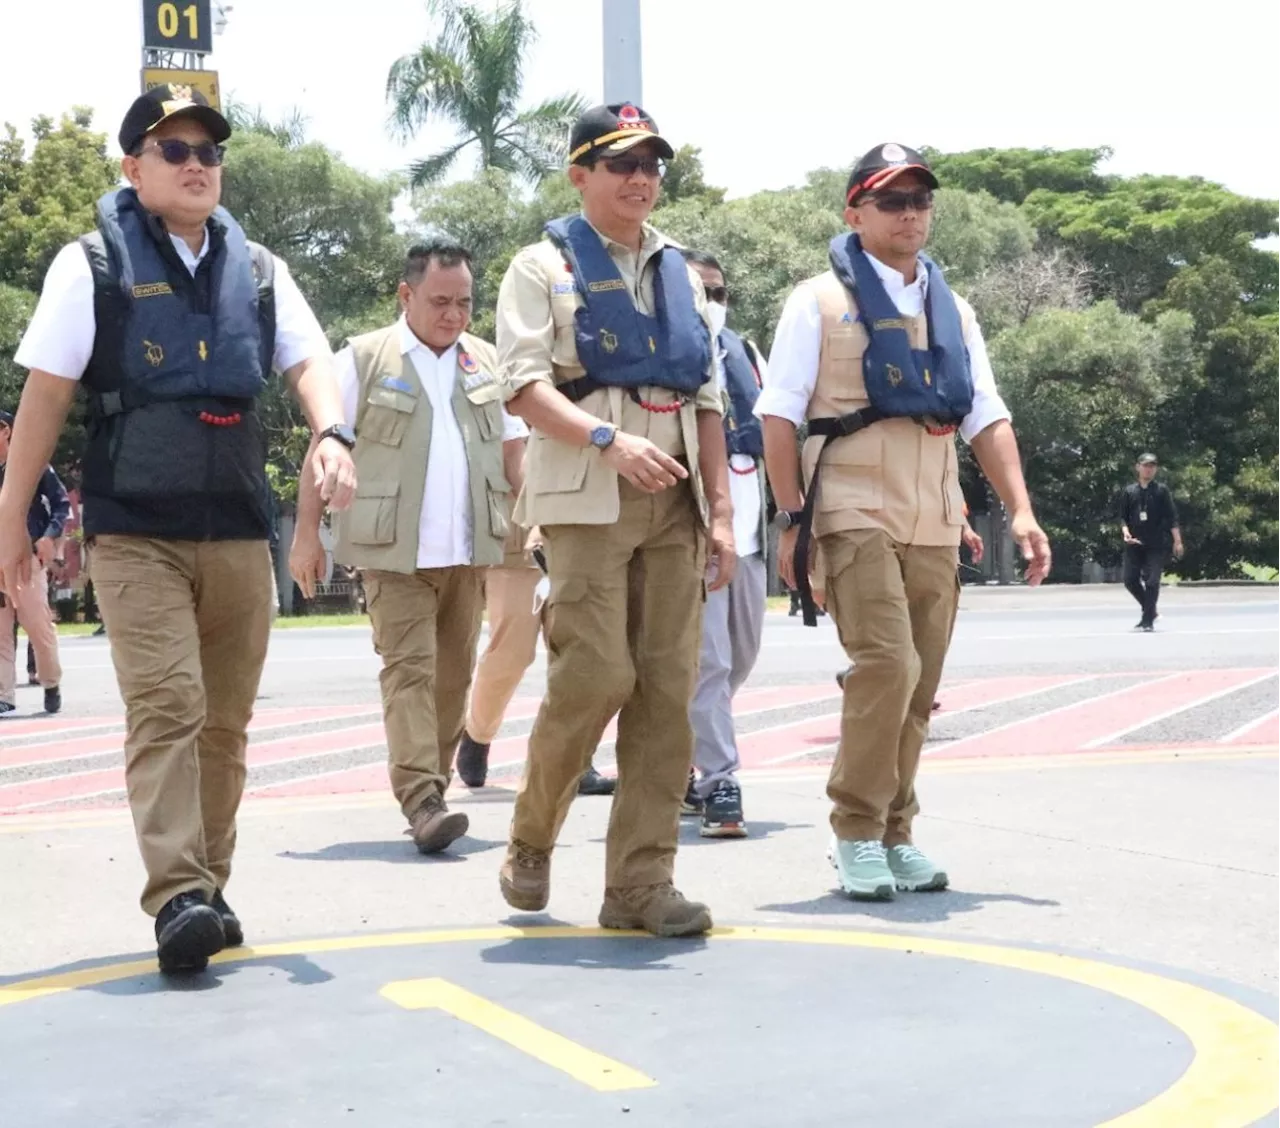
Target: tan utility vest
x=893, y=475
x=393, y=440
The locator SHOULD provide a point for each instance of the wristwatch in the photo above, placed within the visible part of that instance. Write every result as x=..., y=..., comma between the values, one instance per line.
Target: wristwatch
x=787, y=518
x=340, y=431
x=602, y=437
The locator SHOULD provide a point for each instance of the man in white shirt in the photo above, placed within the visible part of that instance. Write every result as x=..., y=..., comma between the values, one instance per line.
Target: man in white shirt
x=733, y=616
x=884, y=364
x=436, y=453
x=172, y=322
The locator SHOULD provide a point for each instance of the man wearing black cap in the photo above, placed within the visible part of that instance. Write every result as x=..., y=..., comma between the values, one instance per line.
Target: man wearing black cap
x=605, y=347
x=28, y=605
x=1148, y=522
x=884, y=364
x=172, y=321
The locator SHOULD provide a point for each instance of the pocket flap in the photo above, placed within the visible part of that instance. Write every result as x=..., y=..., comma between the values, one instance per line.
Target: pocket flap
x=377, y=489
x=847, y=343
x=497, y=480
x=487, y=391
x=396, y=400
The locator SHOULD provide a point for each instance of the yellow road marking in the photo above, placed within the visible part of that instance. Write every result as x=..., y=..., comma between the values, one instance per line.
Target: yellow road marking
x=599, y=1072
x=1230, y=1083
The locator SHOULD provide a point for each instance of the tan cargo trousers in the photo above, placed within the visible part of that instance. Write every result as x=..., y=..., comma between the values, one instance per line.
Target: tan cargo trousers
x=31, y=606
x=894, y=606
x=425, y=628
x=188, y=623
x=624, y=623
x=513, y=645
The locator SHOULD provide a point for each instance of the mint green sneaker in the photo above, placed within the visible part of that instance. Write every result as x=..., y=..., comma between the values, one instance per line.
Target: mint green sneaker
x=863, y=869
x=913, y=872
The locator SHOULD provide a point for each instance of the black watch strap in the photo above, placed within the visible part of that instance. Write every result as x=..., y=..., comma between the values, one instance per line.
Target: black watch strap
x=340, y=431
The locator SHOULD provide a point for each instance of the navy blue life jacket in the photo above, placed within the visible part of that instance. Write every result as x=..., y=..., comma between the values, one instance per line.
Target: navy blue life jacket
x=618, y=346
x=742, y=431
x=175, y=447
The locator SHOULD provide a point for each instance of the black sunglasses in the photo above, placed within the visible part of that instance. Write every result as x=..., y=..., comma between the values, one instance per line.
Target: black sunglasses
x=919, y=200
x=718, y=294
x=629, y=166
x=179, y=152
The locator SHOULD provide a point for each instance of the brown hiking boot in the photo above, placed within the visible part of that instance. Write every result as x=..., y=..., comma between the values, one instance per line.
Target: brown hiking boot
x=434, y=826
x=660, y=909
x=525, y=877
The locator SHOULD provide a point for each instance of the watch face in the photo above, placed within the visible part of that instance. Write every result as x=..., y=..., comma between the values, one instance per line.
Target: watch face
x=601, y=437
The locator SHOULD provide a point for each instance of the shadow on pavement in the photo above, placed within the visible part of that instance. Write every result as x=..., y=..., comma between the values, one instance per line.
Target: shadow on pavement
x=627, y=953
x=389, y=850
x=908, y=908
x=300, y=970
x=756, y=831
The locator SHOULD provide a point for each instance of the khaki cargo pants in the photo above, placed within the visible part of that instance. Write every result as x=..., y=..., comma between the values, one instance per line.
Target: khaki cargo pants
x=188, y=623
x=624, y=625
x=513, y=645
x=425, y=627
x=894, y=606
x=30, y=604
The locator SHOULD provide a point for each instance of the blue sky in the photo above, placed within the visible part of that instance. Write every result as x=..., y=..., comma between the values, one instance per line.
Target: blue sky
x=768, y=91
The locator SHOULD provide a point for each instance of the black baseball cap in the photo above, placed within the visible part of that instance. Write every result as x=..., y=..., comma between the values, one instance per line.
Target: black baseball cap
x=882, y=164
x=161, y=103
x=1148, y=459
x=614, y=129
x=6, y=419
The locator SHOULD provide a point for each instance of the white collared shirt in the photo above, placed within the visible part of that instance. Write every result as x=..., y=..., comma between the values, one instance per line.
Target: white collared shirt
x=744, y=481
x=797, y=346
x=59, y=339
x=444, y=525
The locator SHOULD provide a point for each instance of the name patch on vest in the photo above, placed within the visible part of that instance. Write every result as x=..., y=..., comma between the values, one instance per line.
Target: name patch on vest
x=607, y=284
x=890, y=323
x=394, y=384
x=152, y=290
x=564, y=288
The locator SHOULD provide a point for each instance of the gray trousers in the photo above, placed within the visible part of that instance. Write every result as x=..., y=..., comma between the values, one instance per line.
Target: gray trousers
x=732, y=624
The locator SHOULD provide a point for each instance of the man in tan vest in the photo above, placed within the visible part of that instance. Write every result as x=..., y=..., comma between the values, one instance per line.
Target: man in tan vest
x=605, y=350
x=430, y=513
x=884, y=363
x=516, y=610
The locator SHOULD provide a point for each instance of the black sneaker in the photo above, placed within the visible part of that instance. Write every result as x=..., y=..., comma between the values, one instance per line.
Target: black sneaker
x=593, y=783
x=230, y=922
x=188, y=931
x=691, y=804
x=52, y=699
x=472, y=762
x=6, y=707
x=722, y=812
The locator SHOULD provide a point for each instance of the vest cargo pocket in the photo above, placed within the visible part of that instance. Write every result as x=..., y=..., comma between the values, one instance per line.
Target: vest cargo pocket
x=952, y=500
x=488, y=420
x=373, y=513
x=386, y=416
x=843, y=350
x=498, y=493
x=557, y=468
x=853, y=472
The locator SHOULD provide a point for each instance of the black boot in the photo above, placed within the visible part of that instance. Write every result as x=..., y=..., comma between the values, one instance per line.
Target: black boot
x=230, y=922
x=472, y=762
x=52, y=699
x=188, y=931
x=593, y=783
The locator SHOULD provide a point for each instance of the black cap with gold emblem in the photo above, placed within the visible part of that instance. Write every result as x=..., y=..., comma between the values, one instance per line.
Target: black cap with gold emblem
x=169, y=101
x=614, y=129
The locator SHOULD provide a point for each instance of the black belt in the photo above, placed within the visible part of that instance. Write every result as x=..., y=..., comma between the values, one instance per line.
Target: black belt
x=830, y=428
x=117, y=402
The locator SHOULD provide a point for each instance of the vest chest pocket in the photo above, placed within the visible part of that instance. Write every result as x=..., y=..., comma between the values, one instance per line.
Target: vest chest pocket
x=842, y=354
x=487, y=409
x=386, y=415
x=373, y=513
x=853, y=472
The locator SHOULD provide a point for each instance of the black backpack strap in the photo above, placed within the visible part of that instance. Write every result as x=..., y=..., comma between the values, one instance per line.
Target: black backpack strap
x=829, y=429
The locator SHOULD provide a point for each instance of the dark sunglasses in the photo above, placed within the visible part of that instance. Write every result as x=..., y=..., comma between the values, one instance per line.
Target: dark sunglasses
x=919, y=200
x=179, y=152
x=629, y=166
x=718, y=294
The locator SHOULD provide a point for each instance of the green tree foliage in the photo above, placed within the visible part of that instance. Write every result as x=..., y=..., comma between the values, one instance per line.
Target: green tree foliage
x=686, y=178
x=471, y=75
x=1013, y=174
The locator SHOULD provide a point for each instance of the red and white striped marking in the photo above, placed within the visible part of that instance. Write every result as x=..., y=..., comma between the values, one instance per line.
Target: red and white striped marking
x=782, y=725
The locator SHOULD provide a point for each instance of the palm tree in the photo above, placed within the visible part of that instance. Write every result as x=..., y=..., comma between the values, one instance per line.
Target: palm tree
x=472, y=75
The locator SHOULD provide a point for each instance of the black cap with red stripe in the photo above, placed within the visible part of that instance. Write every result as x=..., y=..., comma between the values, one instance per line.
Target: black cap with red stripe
x=883, y=164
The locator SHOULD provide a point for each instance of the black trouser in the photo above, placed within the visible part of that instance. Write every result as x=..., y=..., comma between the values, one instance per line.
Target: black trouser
x=1142, y=567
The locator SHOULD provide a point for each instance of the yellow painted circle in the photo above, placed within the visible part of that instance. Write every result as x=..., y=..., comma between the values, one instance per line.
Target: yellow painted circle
x=1230, y=1083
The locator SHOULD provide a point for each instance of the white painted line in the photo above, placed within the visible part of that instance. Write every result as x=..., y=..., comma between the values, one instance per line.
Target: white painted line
x=1237, y=733
x=1110, y=737
x=1048, y=713
x=1053, y=636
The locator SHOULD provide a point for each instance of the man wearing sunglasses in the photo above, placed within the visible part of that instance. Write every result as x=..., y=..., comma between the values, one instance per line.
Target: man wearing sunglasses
x=172, y=322
x=733, y=617
x=605, y=346
x=885, y=364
